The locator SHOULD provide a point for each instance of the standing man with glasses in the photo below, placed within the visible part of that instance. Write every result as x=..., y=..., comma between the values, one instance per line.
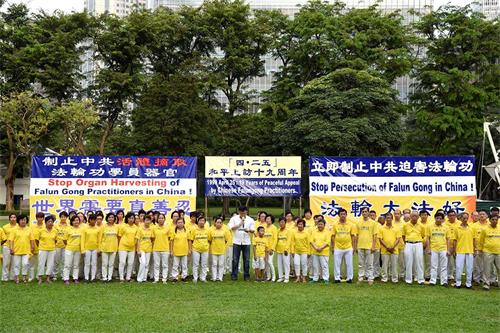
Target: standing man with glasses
x=242, y=227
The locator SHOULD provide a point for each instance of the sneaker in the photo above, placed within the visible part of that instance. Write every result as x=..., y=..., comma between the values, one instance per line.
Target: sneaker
x=279, y=280
x=66, y=282
x=311, y=281
x=326, y=281
x=468, y=287
x=286, y=281
x=486, y=287
x=457, y=287
x=336, y=281
x=348, y=281
x=76, y=281
x=445, y=285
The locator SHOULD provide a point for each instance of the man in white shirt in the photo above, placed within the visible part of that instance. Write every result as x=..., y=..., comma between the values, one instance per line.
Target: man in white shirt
x=242, y=227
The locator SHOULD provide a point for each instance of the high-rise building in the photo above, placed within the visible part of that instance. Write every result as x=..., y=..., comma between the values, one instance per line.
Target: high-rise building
x=117, y=7
x=489, y=8
x=409, y=9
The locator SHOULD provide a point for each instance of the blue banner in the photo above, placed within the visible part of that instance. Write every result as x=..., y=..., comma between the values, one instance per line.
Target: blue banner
x=398, y=166
x=139, y=167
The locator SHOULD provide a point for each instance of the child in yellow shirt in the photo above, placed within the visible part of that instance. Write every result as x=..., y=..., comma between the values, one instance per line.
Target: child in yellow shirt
x=259, y=252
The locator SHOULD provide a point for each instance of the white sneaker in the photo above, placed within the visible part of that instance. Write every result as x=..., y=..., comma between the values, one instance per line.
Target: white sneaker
x=286, y=281
x=279, y=280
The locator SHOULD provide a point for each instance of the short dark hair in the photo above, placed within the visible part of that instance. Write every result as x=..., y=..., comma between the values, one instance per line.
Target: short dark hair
x=439, y=214
x=342, y=210
x=39, y=214
x=260, y=228
x=141, y=211
x=92, y=217
x=451, y=211
x=63, y=213
x=495, y=209
x=21, y=217
x=271, y=217
x=73, y=218
x=308, y=210
x=49, y=217
x=243, y=208
x=423, y=211
x=301, y=221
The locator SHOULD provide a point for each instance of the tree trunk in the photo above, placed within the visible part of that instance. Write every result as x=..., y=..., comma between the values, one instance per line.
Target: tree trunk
x=225, y=206
x=104, y=139
x=9, y=182
x=287, y=203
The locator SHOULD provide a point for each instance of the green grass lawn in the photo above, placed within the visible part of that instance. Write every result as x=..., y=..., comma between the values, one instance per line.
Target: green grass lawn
x=246, y=306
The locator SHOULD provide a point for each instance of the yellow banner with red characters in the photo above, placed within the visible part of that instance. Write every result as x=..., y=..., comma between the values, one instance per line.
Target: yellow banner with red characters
x=385, y=184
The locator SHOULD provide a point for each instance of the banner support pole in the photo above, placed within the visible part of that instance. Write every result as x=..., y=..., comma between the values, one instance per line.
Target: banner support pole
x=206, y=207
x=300, y=206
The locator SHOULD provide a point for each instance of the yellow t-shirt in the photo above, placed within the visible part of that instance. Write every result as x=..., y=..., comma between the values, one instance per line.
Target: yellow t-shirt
x=73, y=237
x=301, y=242
x=260, y=244
x=145, y=236
x=61, y=231
x=199, y=237
x=366, y=231
x=109, y=238
x=399, y=225
x=283, y=241
x=22, y=238
x=413, y=232
x=160, y=235
x=290, y=225
x=35, y=229
x=3, y=238
x=321, y=238
x=47, y=239
x=90, y=238
x=437, y=236
x=127, y=237
x=218, y=238
x=180, y=242
x=7, y=229
x=464, y=238
x=490, y=240
x=343, y=233
x=477, y=228
x=389, y=235
x=271, y=234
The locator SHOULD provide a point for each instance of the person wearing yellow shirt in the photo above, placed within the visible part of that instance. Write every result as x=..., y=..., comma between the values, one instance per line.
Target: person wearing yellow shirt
x=46, y=240
x=73, y=250
x=377, y=268
x=282, y=249
x=36, y=227
x=161, y=249
x=424, y=220
x=90, y=240
x=320, y=241
x=260, y=248
x=108, y=246
x=344, y=237
x=438, y=245
x=179, y=248
x=271, y=234
x=367, y=234
x=144, y=248
x=489, y=241
x=126, y=247
x=413, y=236
x=60, y=226
x=199, y=246
x=452, y=224
x=478, y=227
x=398, y=223
x=21, y=245
x=7, y=265
x=300, y=250
x=389, y=237
x=218, y=238
x=465, y=244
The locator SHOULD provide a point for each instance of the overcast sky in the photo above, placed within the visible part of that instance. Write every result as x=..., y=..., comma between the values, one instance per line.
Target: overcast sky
x=77, y=5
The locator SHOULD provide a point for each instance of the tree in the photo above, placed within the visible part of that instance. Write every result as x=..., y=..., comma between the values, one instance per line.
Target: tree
x=325, y=37
x=239, y=41
x=458, y=82
x=77, y=120
x=347, y=112
x=119, y=46
x=26, y=119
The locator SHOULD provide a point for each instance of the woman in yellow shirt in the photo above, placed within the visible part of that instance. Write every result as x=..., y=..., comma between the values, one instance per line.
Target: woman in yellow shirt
x=282, y=248
x=321, y=242
x=198, y=246
x=108, y=246
x=91, y=240
x=21, y=247
x=59, y=256
x=46, y=240
x=161, y=249
x=271, y=233
x=7, y=265
x=218, y=238
x=179, y=249
x=300, y=249
x=144, y=248
x=74, y=248
x=126, y=247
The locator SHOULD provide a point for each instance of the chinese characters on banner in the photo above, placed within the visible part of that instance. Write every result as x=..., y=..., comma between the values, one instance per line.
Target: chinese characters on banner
x=385, y=184
x=112, y=183
x=254, y=176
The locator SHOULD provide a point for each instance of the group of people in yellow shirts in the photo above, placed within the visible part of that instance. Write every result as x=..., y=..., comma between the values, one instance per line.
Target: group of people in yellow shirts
x=404, y=244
